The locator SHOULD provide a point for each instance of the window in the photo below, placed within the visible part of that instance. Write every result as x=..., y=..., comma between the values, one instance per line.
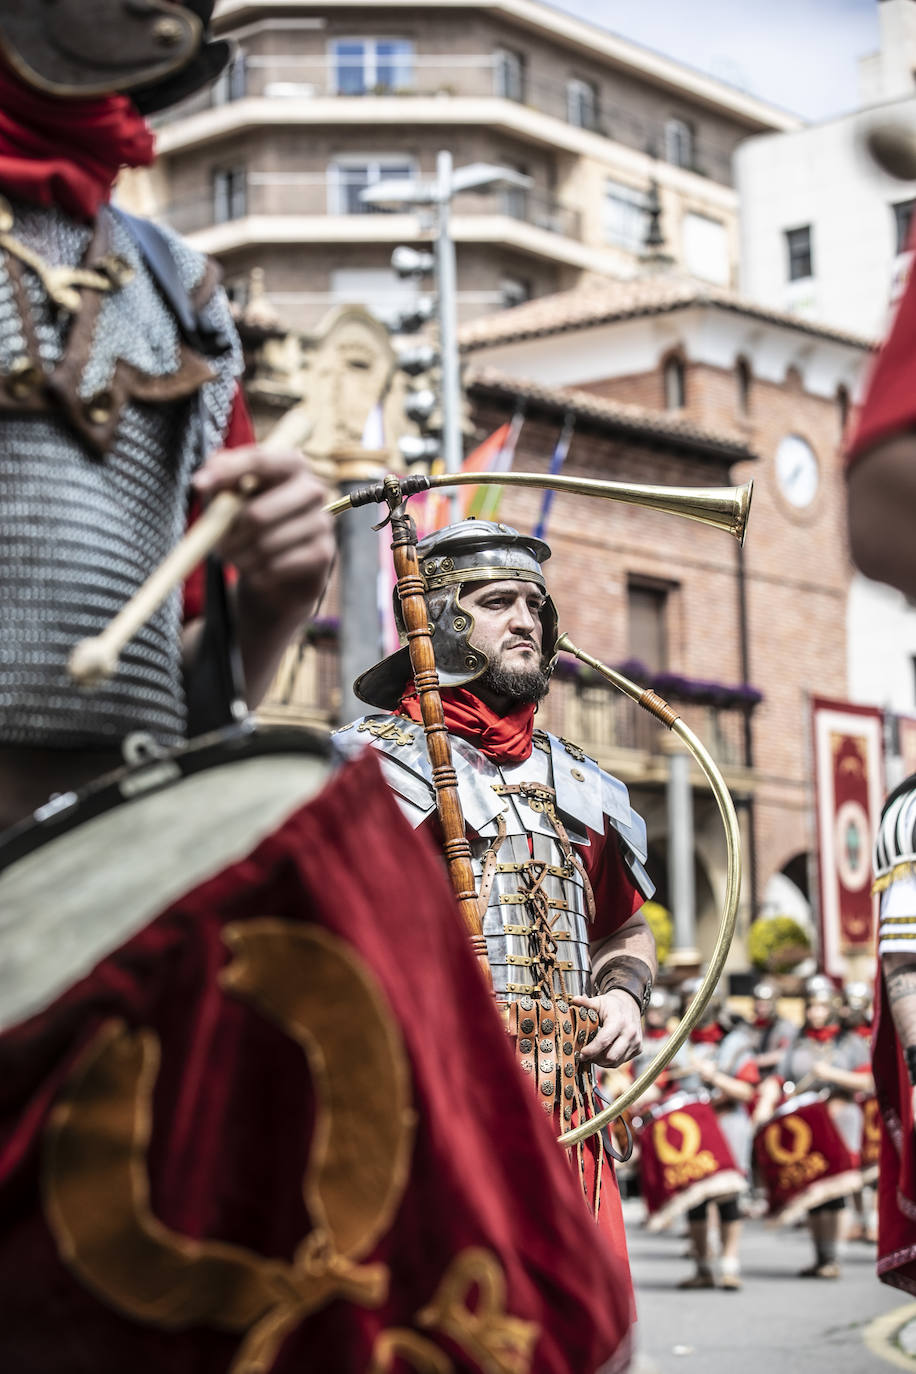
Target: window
x=798, y=249
x=371, y=66
x=743, y=379
x=903, y=219
x=675, y=384
x=230, y=197
x=231, y=84
x=509, y=74
x=514, y=291
x=515, y=198
x=379, y=289
x=706, y=248
x=679, y=143
x=647, y=611
x=582, y=103
x=346, y=178
x=626, y=216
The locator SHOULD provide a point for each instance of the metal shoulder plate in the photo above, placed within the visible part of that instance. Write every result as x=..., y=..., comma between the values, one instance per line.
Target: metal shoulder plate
x=588, y=797
x=405, y=762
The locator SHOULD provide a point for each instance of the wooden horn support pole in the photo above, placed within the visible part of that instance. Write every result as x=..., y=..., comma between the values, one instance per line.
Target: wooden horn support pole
x=412, y=594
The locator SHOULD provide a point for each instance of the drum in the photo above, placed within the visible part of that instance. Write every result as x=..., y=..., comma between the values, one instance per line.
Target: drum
x=802, y=1159
x=93, y=868
x=684, y=1159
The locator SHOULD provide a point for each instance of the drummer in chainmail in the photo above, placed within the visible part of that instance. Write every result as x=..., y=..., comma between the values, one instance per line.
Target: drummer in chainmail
x=557, y=850
x=119, y=399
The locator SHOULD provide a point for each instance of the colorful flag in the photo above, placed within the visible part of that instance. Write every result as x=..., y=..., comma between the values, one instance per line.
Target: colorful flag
x=556, y=466
x=495, y=454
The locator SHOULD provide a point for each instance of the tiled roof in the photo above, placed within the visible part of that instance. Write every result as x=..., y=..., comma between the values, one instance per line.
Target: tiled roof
x=601, y=302
x=618, y=416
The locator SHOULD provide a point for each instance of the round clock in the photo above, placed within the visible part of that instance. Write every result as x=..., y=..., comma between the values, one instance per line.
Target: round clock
x=797, y=471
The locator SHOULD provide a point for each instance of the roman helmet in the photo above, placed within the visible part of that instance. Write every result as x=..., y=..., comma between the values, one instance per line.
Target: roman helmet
x=820, y=988
x=857, y=1000
x=155, y=51
x=469, y=552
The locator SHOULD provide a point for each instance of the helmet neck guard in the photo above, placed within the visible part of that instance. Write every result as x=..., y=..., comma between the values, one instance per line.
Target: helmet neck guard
x=153, y=50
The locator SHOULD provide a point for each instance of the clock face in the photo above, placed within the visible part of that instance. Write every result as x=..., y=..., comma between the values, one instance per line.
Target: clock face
x=797, y=471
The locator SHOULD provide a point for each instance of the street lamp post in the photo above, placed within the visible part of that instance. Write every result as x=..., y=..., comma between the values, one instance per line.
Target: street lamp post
x=439, y=195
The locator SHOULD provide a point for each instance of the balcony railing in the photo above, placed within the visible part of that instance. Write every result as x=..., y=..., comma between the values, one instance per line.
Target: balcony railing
x=336, y=192
x=284, y=76
x=595, y=716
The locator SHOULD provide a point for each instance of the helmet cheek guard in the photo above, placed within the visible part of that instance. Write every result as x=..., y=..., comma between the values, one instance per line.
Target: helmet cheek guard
x=458, y=661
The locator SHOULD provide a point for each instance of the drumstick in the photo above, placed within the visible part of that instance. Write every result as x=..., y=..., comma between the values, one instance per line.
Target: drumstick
x=96, y=659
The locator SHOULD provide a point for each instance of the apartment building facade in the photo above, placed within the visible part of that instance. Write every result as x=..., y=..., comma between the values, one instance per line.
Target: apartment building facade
x=325, y=99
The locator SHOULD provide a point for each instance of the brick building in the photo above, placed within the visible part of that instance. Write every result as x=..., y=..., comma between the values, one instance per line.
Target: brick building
x=769, y=394
x=327, y=98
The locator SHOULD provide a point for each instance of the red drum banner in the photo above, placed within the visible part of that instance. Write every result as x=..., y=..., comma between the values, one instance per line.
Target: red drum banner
x=849, y=784
x=684, y=1160
x=871, y=1139
x=802, y=1160
x=280, y=1128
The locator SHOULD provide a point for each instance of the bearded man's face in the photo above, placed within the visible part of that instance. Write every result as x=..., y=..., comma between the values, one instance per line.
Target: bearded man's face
x=508, y=629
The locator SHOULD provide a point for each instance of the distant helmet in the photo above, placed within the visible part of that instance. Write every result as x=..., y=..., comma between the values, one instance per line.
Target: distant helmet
x=820, y=988
x=470, y=551
x=157, y=51
x=662, y=1001
x=765, y=992
x=857, y=996
x=691, y=986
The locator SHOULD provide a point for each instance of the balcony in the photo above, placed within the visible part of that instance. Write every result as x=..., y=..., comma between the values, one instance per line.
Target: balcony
x=468, y=77
x=242, y=193
x=608, y=726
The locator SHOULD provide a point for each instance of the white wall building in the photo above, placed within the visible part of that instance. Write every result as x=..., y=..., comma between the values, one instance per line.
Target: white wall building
x=823, y=235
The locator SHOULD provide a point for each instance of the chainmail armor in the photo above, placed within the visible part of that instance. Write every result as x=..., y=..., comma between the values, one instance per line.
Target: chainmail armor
x=81, y=531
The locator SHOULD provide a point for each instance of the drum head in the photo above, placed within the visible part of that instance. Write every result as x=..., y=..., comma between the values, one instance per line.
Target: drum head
x=80, y=883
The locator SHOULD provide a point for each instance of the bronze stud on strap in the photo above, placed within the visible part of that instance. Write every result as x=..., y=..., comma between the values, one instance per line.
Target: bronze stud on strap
x=580, y=1038
x=568, y=1069
x=545, y=1046
x=98, y=408
x=593, y=1015
x=562, y=1006
x=547, y=1025
x=567, y=1047
x=24, y=379
x=568, y=1092
x=527, y=1065
x=547, y=1087
x=526, y=1004
x=567, y=1113
x=567, y=1028
x=547, y=1066
x=527, y=1025
x=525, y=1046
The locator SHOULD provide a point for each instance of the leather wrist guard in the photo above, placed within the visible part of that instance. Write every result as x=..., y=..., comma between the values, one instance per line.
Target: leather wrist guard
x=909, y=1055
x=626, y=974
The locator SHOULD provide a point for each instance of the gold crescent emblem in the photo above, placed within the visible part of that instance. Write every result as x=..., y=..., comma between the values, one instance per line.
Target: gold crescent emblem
x=690, y=1138
x=801, y=1135
x=95, y=1176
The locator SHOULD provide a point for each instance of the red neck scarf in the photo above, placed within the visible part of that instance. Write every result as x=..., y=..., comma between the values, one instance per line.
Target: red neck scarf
x=504, y=739
x=67, y=152
x=822, y=1034
x=761, y=1022
x=707, y=1035
x=654, y=1033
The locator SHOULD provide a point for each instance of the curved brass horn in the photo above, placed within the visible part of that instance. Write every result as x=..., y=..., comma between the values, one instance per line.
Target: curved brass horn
x=659, y=708
x=725, y=508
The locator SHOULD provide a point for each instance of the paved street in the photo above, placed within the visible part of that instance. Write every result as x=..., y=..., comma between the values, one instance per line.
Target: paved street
x=776, y=1323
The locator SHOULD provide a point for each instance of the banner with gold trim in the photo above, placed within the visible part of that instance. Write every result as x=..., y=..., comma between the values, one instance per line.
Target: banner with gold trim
x=802, y=1159
x=849, y=788
x=684, y=1159
x=280, y=1128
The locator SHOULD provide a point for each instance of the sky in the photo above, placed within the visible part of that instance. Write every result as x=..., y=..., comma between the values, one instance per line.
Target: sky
x=798, y=54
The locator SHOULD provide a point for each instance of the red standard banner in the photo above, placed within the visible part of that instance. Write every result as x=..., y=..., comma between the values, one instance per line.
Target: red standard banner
x=802, y=1160
x=849, y=785
x=280, y=1128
